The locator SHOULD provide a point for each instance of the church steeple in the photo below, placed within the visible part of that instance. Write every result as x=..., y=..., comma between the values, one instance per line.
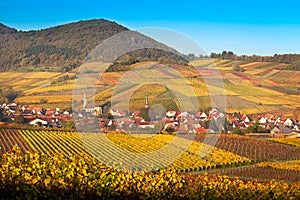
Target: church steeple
x=147, y=102
x=84, y=100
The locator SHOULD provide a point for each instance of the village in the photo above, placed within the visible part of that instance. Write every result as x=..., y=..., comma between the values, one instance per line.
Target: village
x=210, y=121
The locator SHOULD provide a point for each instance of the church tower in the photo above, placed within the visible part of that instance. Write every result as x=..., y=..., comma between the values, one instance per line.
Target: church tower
x=84, y=100
x=147, y=106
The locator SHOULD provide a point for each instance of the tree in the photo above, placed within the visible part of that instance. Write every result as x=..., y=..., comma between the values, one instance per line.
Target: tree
x=69, y=125
x=295, y=65
x=112, y=127
x=144, y=113
x=170, y=130
x=3, y=115
x=237, y=68
x=256, y=128
x=158, y=126
x=11, y=94
x=237, y=131
x=43, y=100
x=2, y=99
x=296, y=114
x=19, y=119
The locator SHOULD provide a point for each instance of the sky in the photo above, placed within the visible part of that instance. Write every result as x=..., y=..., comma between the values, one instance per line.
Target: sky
x=244, y=27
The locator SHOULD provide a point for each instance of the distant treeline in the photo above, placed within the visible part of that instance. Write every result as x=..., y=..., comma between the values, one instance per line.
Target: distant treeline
x=292, y=59
x=147, y=54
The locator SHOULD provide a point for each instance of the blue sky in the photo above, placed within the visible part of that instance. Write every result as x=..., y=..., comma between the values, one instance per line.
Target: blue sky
x=245, y=27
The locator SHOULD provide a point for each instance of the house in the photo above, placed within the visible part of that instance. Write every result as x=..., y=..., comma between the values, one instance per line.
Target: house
x=143, y=124
x=275, y=130
x=36, y=111
x=270, y=118
x=244, y=118
x=281, y=129
x=24, y=107
x=116, y=113
x=38, y=122
x=202, y=130
x=201, y=115
x=277, y=121
x=98, y=110
x=215, y=114
x=171, y=114
x=26, y=113
x=171, y=127
x=50, y=112
x=296, y=128
x=288, y=122
x=182, y=115
x=262, y=120
x=66, y=113
x=246, y=125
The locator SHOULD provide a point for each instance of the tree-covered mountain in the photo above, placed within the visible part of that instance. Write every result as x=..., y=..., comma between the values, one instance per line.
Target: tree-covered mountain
x=65, y=47
x=57, y=48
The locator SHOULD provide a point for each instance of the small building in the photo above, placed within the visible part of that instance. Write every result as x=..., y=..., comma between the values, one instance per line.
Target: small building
x=245, y=118
x=281, y=131
x=288, y=122
x=276, y=130
x=171, y=114
x=262, y=120
x=201, y=115
x=38, y=122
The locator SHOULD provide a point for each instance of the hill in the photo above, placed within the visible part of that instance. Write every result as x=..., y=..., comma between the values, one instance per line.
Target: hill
x=259, y=87
x=52, y=49
x=263, y=87
x=60, y=47
x=64, y=47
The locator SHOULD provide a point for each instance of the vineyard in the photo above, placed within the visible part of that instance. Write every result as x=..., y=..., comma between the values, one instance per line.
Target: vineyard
x=53, y=164
x=194, y=154
x=290, y=141
x=36, y=176
x=283, y=171
x=70, y=143
x=263, y=87
x=256, y=149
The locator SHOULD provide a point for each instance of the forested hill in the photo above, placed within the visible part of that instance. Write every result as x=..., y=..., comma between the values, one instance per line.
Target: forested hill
x=53, y=49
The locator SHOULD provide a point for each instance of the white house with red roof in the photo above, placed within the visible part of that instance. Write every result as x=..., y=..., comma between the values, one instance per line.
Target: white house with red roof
x=262, y=120
x=288, y=122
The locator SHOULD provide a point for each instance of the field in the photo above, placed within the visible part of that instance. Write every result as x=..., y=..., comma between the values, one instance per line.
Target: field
x=187, y=153
x=71, y=143
x=57, y=164
x=35, y=176
x=290, y=141
x=266, y=171
x=261, y=88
